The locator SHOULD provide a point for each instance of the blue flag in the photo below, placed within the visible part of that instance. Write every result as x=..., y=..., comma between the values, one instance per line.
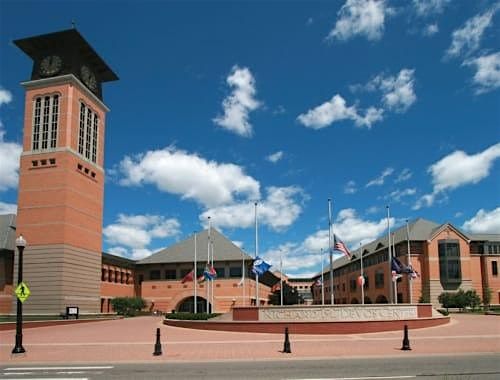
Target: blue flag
x=260, y=266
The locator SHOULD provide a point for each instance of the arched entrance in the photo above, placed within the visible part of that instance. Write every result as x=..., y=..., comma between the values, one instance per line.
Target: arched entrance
x=368, y=300
x=187, y=305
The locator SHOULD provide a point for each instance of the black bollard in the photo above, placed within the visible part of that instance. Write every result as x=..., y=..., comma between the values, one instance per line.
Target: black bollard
x=406, y=341
x=286, y=346
x=158, y=343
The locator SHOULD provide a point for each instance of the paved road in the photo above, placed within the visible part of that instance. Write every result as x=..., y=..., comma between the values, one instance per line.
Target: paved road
x=464, y=367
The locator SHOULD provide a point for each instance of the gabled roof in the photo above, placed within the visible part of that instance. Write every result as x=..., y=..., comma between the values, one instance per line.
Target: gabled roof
x=484, y=237
x=8, y=231
x=183, y=252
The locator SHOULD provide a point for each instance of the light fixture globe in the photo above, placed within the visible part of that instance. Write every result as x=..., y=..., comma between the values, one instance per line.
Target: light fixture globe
x=21, y=242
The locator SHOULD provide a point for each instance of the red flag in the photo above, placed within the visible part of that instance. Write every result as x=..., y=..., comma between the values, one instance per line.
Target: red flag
x=188, y=277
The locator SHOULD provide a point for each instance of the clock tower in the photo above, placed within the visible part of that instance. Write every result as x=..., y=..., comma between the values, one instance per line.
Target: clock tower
x=61, y=176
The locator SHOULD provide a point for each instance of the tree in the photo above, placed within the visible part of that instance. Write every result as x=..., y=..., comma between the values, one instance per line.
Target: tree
x=128, y=306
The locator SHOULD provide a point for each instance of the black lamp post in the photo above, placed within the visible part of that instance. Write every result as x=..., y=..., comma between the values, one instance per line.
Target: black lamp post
x=19, y=349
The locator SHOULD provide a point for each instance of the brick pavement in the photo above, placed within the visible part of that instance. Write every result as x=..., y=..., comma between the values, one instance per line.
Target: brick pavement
x=132, y=340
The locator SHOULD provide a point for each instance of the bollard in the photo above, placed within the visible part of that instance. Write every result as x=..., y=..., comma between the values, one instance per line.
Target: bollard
x=158, y=343
x=286, y=346
x=406, y=341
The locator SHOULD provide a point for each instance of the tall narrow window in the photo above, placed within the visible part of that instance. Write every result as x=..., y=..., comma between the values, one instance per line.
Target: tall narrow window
x=45, y=122
x=450, y=271
x=494, y=268
x=89, y=133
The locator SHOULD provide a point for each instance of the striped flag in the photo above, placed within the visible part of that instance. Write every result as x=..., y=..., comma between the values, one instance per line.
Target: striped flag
x=338, y=245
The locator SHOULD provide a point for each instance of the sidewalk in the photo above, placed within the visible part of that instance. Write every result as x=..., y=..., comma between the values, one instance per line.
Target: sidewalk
x=132, y=340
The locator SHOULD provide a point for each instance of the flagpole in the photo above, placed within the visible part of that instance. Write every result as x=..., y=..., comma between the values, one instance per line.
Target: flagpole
x=195, y=277
x=322, y=279
x=332, y=298
x=410, y=278
x=257, y=301
x=363, y=276
x=213, y=279
x=208, y=263
x=389, y=253
x=395, y=282
x=281, y=279
x=243, y=277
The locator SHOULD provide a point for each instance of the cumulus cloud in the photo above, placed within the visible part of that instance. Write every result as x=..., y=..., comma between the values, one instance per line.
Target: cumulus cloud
x=131, y=234
x=278, y=210
x=467, y=39
x=430, y=30
x=8, y=208
x=379, y=181
x=336, y=110
x=458, y=169
x=425, y=8
x=360, y=17
x=484, y=222
x=238, y=105
x=189, y=175
x=275, y=157
x=487, y=76
x=350, y=187
x=398, y=194
x=398, y=93
x=9, y=153
x=301, y=257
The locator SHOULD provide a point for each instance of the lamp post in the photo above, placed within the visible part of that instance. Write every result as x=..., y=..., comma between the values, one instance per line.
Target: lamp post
x=19, y=349
x=281, y=280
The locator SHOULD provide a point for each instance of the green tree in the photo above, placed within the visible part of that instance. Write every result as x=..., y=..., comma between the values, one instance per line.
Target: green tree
x=446, y=300
x=472, y=299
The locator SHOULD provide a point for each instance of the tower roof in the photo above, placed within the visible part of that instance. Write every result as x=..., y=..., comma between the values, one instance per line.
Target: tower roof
x=69, y=39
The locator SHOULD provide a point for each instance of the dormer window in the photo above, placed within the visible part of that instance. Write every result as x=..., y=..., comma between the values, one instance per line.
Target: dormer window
x=45, y=122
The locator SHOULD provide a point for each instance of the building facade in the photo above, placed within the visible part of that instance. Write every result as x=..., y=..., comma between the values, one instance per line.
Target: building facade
x=445, y=259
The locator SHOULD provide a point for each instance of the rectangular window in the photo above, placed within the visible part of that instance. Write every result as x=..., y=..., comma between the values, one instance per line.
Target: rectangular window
x=36, y=124
x=55, y=117
x=45, y=122
x=81, y=134
x=235, y=272
x=449, y=264
x=88, y=136
x=352, y=283
x=220, y=272
x=494, y=268
x=154, y=274
x=88, y=133
x=170, y=274
x=94, y=138
x=379, y=279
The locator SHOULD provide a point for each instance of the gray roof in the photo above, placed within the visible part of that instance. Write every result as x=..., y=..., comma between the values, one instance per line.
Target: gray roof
x=183, y=252
x=7, y=231
x=484, y=237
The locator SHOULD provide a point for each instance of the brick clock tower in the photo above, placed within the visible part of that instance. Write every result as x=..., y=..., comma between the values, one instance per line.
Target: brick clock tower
x=61, y=177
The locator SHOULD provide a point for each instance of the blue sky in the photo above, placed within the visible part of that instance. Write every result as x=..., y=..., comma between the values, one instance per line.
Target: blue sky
x=220, y=104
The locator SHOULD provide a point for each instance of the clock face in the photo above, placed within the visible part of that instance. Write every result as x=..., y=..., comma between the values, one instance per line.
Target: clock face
x=50, y=65
x=88, y=78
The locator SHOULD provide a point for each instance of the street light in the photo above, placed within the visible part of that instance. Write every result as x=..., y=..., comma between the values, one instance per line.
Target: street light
x=19, y=349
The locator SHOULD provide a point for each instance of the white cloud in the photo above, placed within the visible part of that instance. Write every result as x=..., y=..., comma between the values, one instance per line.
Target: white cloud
x=350, y=187
x=487, y=76
x=360, y=17
x=238, y=243
x=8, y=208
x=484, y=222
x=380, y=179
x=428, y=7
x=397, y=91
x=278, y=211
x=189, y=175
x=137, y=231
x=5, y=96
x=404, y=175
x=10, y=153
x=275, y=157
x=336, y=110
x=239, y=103
x=131, y=234
x=458, y=169
x=396, y=195
x=305, y=256
x=467, y=39
x=430, y=30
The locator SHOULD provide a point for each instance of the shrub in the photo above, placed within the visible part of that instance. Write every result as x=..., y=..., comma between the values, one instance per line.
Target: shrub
x=128, y=306
x=460, y=299
x=191, y=316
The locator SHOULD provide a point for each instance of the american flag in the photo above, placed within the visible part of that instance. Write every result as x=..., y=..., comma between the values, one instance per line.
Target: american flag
x=338, y=245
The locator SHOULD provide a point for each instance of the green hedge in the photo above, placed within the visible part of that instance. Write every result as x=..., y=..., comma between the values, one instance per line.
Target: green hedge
x=191, y=316
x=128, y=306
x=460, y=299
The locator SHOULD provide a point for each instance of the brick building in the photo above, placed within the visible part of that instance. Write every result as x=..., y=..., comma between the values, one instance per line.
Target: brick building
x=445, y=258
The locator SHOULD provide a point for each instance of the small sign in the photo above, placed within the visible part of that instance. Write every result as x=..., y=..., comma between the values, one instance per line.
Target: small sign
x=22, y=292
